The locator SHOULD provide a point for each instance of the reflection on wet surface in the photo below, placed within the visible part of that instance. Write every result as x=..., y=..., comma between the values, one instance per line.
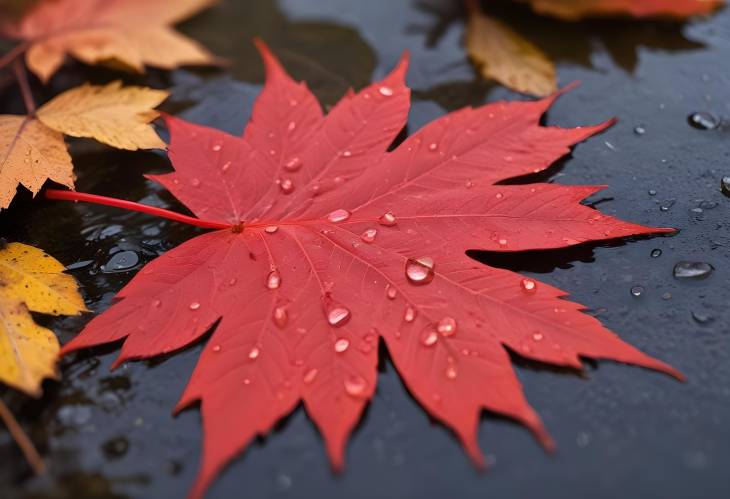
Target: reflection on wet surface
x=111, y=434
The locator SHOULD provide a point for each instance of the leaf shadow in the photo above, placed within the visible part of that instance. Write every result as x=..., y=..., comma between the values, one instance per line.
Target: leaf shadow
x=569, y=42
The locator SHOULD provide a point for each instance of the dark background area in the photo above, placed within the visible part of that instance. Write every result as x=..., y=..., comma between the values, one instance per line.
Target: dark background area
x=621, y=431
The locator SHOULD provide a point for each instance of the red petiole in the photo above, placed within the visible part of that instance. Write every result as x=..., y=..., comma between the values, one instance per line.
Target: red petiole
x=132, y=206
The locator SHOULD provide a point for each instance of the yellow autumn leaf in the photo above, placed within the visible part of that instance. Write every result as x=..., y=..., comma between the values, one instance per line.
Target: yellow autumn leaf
x=30, y=153
x=505, y=56
x=115, y=115
x=31, y=281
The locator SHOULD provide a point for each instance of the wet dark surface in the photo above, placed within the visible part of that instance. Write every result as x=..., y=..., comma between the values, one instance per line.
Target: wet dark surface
x=621, y=431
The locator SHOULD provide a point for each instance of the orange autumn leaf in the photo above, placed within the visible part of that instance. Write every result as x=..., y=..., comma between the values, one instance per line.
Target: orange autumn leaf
x=32, y=148
x=504, y=55
x=131, y=33
x=577, y=9
x=30, y=154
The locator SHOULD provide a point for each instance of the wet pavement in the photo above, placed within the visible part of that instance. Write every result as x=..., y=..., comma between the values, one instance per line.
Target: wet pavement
x=621, y=431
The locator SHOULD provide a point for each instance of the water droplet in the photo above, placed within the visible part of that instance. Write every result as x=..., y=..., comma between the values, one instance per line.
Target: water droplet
x=195, y=182
x=446, y=326
x=194, y=305
x=347, y=153
x=309, y=376
x=273, y=281
x=652, y=192
x=280, y=316
x=692, y=270
x=637, y=291
x=668, y=205
x=272, y=152
x=121, y=261
x=232, y=281
x=157, y=303
x=342, y=345
x=338, y=216
x=451, y=372
x=226, y=166
x=410, y=314
x=391, y=292
x=703, y=121
x=338, y=316
x=385, y=91
x=499, y=195
x=469, y=184
x=270, y=229
x=502, y=242
x=291, y=126
x=639, y=130
x=725, y=186
x=254, y=353
x=429, y=337
x=369, y=235
x=656, y=253
x=419, y=270
x=537, y=336
x=246, y=381
x=701, y=318
x=528, y=286
x=355, y=385
x=286, y=186
x=217, y=348
x=217, y=147
x=294, y=164
x=387, y=219
x=433, y=146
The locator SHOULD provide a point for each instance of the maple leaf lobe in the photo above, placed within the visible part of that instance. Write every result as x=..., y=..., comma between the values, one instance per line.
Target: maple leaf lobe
x=363, y=245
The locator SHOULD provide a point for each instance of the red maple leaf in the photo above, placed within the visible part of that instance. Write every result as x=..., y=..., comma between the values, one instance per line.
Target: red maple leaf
x=337, y=242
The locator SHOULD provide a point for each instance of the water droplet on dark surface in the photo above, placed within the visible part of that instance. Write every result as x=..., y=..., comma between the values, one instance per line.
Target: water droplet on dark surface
x=692, y=270
x=656, y=253
x=637, y=291
x=420, y=270
x=701, y=317
x=639, y=130
x=121, y=262
x=703, y=121
x=115, y=448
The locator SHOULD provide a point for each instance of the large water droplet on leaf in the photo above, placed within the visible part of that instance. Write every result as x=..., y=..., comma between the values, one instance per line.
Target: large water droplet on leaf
x=341, y=345
x=337, y=315
x=338, y=216
x=355, y=385
x=387, y=219
x=447, y=326
x=420, y=270
x=273, y=280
